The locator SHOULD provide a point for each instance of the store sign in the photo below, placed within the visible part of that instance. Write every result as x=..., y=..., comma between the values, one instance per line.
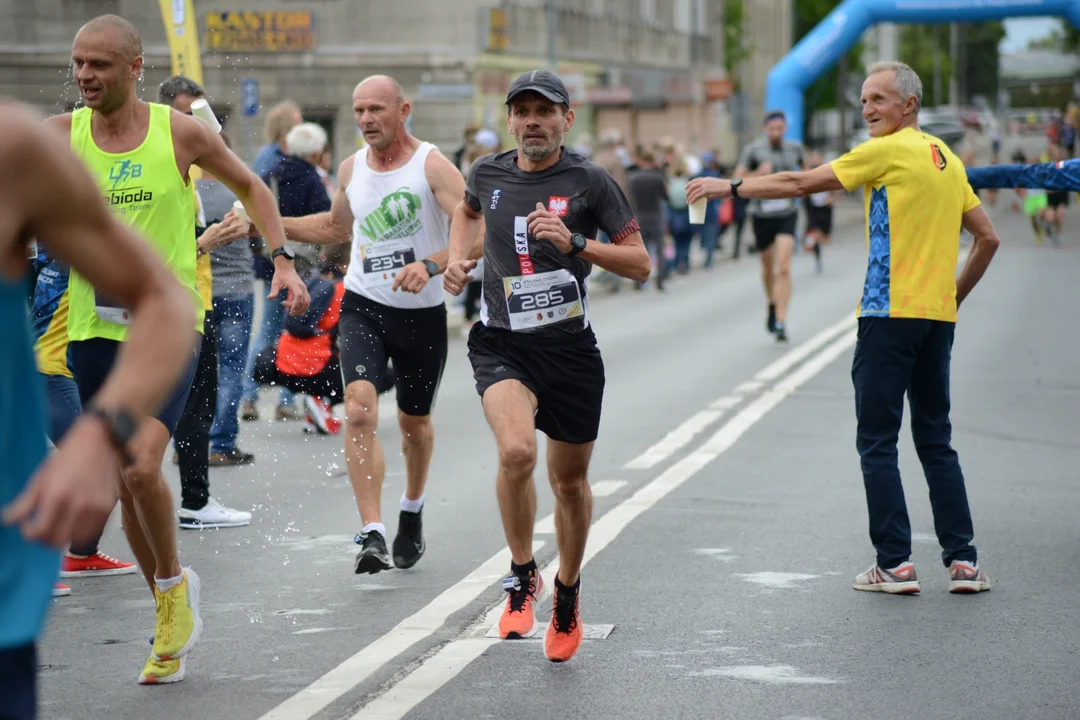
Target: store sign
x=280, y=31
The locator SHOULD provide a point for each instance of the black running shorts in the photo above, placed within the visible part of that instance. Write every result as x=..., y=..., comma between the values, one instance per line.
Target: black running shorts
x=767, y=228
x=566, y=374
x=820, y=219
x=1058, y=198
x=92, y=361
x=372, y=335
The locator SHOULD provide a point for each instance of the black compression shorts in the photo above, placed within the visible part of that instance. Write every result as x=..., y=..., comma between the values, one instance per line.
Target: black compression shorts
x=372, y=334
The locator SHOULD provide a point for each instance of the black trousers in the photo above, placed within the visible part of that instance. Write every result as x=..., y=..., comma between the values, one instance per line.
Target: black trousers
x=193, y=431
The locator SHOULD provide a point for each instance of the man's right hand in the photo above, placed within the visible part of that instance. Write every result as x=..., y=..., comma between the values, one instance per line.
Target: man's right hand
x=70, y=497
x=457, y=276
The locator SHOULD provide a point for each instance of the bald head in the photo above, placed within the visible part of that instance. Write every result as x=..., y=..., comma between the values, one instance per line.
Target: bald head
x=125, y=39
x=382, y=86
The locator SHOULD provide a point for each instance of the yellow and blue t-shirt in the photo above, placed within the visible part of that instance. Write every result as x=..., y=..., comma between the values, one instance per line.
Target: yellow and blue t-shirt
x=916, y=193
x=49, y=315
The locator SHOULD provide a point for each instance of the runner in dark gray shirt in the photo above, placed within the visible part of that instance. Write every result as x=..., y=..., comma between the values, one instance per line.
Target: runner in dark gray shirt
x=533, y=352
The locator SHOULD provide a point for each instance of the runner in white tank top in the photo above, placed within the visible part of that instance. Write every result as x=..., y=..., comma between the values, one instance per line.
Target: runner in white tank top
x=394, y=201
x=397, y=221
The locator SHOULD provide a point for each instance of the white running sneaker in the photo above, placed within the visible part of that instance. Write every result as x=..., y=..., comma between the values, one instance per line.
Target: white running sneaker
x=965, y=577
x=900, y=580
x=213, y=515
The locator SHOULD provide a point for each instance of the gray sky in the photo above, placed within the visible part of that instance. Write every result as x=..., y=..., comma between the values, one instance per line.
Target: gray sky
x=1020, y=30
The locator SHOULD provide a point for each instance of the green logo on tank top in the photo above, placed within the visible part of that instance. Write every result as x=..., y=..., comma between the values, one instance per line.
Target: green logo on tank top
x=397, y=217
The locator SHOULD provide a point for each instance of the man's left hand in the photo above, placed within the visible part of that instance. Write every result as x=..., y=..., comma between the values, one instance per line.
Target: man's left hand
x=712, y=188
x=286, y=278
x=413, y=278
x=548, y=226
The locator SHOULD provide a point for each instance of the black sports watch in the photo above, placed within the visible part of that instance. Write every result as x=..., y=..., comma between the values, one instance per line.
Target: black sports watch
x=285, y=250
x=577, y=244
x=432, y=268
x=735, y=183
x=121, y=426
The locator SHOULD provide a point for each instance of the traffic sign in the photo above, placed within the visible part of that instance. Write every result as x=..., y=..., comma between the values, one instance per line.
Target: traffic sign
x=249, y=96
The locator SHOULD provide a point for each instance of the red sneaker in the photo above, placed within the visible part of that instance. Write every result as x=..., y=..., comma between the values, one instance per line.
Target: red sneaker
x=60, y=590
x=97, y=565
x=565, y=632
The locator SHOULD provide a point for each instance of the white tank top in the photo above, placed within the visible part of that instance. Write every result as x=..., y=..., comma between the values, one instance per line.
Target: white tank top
x=397, y=222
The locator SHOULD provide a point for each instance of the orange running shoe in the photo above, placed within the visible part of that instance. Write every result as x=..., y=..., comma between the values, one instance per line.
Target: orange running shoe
x=519, y=616
x=565, y=632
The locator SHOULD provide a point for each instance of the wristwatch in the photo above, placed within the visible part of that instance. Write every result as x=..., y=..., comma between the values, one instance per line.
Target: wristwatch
x=577, y=244
x=121, y=426
x=432, y=268
x=285, y=250
x=735, y=183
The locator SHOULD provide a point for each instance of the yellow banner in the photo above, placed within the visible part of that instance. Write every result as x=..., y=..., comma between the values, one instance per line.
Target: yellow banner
x=183, y=36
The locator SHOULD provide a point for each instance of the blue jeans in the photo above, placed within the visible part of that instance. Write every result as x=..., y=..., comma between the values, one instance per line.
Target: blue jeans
x=233, y=316
x=894, y=356
x=273, y=319
x=62, y=395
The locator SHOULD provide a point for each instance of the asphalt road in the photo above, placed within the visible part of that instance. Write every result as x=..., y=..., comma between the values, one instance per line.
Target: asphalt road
x=720, y=560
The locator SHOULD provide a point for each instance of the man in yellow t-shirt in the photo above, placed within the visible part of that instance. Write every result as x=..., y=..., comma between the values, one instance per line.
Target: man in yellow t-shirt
x=917, y=198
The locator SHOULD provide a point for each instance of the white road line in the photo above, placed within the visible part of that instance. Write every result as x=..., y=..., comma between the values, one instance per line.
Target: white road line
x=750, y=386
x=448, y=662
x=412, y=629
x=682, y=435
x=726, y=403
x=604, y=488
x=785, y=362
x=674, y=440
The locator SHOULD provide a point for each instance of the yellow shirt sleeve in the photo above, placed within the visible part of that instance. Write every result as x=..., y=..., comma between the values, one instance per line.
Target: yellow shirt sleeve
x=863, y=165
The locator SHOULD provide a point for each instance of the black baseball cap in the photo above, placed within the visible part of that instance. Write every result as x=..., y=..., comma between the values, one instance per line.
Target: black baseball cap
x=544, y=82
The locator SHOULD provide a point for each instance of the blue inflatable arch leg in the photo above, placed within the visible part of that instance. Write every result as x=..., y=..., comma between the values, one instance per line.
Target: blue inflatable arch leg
x=840, y=30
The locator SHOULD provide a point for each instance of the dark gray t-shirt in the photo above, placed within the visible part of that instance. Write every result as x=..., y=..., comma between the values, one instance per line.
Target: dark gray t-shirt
x=786, y=158
x=530, y=286
x=648, y=193
x=232, y=263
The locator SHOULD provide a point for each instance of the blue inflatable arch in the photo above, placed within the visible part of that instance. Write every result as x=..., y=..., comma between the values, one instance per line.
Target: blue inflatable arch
x=833, y=37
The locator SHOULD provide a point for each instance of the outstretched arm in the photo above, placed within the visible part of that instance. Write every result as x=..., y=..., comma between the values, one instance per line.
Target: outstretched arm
x=326, y=228
x=1047, y=176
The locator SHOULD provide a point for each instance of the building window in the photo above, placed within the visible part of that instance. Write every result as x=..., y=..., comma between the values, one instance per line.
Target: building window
x=648, y=12
x=682, y=16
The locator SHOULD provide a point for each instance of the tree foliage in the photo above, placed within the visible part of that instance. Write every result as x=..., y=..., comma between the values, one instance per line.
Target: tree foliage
x=735, y=49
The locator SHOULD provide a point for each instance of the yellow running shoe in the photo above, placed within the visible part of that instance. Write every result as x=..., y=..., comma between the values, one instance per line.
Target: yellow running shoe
x=178, y=621
x=158, y=672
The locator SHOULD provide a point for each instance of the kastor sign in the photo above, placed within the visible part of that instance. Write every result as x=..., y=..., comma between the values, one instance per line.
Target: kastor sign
x=283, y=31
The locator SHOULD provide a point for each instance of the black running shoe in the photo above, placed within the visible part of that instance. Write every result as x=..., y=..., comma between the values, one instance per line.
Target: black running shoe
x=372, y=557
x=409, y=542
x=770, y=324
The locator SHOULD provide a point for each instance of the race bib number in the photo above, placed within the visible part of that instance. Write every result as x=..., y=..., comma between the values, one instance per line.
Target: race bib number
x=546, y=298
x=820, y=199
x=110, y=311
x=776, y=206
x=383, y=261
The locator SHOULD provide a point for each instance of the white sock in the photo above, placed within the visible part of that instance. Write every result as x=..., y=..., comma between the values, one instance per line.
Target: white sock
x=164, y=584
x=412, y=506
x=374, y=526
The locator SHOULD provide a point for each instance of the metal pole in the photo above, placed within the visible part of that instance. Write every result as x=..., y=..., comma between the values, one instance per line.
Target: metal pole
x=954, y=53
x=552, y=28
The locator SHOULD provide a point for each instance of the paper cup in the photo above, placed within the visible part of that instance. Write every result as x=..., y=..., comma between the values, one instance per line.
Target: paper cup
x=238, y=208
x=697, y=211
x=201, y=109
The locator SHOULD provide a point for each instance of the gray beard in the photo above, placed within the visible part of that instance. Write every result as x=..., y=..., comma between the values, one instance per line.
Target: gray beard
x=536, y=153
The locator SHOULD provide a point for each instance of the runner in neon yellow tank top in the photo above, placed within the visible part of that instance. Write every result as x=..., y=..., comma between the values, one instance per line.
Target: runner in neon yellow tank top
x=141, y=154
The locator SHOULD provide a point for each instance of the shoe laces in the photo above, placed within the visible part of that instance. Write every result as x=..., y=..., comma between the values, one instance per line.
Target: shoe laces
x=565, y=616
x=519, y=588
x=107, y=558
x=166, y=605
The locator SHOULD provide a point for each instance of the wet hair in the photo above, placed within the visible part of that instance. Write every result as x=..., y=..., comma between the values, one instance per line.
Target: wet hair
x=176, y=86
x=133, y=47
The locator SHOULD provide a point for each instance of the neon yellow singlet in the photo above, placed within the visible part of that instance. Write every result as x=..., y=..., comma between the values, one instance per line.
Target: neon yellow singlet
x=145, y=190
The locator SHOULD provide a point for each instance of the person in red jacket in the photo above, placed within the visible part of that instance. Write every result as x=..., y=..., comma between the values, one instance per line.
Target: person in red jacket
x=305, y=359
